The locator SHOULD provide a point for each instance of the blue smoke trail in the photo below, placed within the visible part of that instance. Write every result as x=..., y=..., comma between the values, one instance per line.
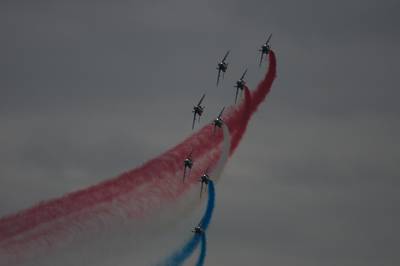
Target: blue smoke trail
x=205, y=221
x=178, y=257
x=203, y=249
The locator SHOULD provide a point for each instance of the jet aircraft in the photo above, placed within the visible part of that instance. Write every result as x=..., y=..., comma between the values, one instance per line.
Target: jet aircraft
x=222, y=66
x=188, y=164
x=218, y=121
x=198, y=230
x=240, y=84
x=265, y=48
x=198, y=110
x=204, y=179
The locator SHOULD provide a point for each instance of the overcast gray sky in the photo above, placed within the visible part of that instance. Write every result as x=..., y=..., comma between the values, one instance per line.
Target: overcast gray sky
x=92, y=88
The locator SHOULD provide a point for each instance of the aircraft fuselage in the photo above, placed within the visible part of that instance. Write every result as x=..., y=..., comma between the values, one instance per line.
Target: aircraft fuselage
x=188, y=163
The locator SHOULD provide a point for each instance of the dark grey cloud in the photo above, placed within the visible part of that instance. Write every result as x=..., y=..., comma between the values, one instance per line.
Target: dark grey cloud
x=85, y=88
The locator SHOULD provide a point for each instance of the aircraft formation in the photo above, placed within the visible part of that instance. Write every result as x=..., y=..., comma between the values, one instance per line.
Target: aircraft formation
x=222, y=67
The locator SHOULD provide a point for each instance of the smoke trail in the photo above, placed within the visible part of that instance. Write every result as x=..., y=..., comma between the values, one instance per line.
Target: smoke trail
x=132, y=195
x=205, y=221
x=239, y=118
x=226, y=147
x=264, y=87
x=186, y=251
x=188, y=248
x=139, y=193
x=179, y=257
x=203, y=250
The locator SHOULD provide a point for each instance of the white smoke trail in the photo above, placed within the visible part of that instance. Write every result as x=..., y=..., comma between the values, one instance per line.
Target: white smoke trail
x=126, y=241
x=226, y=147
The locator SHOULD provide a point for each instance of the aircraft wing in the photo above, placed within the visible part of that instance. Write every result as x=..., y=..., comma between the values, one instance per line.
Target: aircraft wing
x=244, y=74
x=194, y=120
x=206, y=172
x=237, y=91
x=201, y=100
x=219, y=74
x=219, y=116
x=226, y=55
x=261, y=58
x=269, y=38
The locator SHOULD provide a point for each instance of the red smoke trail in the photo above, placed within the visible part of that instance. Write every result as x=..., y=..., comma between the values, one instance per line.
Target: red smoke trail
x=239, y=118
x=144, y=188
x=237, y=123
x=136, y=193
